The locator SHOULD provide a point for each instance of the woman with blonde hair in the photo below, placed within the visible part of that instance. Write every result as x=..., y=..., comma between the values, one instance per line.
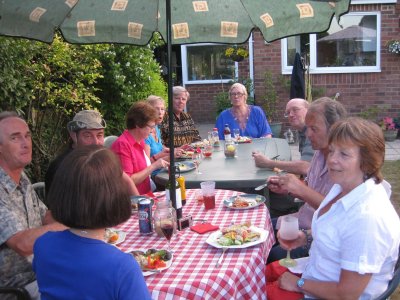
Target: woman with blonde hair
x=249, y=119
x=154, y=145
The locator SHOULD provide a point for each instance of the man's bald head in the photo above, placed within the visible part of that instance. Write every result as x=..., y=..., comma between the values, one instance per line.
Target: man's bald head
x=296, y=110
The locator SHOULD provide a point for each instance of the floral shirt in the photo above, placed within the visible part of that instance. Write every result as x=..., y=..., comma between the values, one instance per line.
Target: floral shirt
x=20, y=209
x=185, y=132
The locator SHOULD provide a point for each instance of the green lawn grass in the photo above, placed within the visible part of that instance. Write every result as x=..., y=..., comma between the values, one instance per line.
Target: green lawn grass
x=391, y=172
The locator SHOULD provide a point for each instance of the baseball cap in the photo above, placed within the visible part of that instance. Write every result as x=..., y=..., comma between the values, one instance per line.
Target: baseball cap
x=86, y=119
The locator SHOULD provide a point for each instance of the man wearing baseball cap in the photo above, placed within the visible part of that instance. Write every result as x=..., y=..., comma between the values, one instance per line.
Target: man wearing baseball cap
x=86, y=128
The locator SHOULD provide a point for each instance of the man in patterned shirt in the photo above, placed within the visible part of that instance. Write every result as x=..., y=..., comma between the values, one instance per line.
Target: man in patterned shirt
x=185, y=132
x=23, y=217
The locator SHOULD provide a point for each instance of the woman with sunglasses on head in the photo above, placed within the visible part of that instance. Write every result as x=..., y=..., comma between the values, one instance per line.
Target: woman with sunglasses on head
x=249, y=119
x=131, y=147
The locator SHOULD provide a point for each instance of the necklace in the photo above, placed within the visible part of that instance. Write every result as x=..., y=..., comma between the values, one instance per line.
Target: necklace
x=241, y=118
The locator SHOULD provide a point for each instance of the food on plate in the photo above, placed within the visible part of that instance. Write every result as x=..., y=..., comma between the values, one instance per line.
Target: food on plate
x=277, y=170
x=152, y=259
x=111, y=235
x=187, y=154
x=237, y=235
x=243, y=139
x=182, y=167
x=200, y=144
x=240, y=202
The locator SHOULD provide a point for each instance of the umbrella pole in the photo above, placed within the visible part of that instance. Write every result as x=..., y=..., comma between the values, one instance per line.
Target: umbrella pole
x=170, y=103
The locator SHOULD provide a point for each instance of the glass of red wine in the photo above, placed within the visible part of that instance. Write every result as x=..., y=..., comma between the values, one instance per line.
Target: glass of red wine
x=167, y=225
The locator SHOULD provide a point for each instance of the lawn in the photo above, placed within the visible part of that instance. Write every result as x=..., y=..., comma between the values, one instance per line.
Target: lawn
x=391, y=171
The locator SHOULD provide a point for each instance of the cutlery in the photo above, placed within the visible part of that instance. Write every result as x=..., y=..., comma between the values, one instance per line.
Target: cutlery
x=260, y=187
x=275, y=157
x=219, y=262
x=151, y=270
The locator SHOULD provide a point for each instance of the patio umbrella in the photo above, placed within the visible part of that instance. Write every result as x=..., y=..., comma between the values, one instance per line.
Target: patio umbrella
x=178, y=21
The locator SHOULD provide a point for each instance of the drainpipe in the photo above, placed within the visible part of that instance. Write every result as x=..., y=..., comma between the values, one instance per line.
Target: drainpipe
x=251, y=63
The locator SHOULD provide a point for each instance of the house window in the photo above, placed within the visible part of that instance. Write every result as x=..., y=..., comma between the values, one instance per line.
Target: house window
x=352, y=46
x=206, y=63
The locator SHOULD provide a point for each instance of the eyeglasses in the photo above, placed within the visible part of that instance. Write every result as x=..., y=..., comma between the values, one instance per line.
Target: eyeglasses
x=236, y=94
x=293, y=110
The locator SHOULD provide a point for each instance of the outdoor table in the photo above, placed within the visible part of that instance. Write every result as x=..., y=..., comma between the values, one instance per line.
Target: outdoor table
x=193, y=273
x=238, y=172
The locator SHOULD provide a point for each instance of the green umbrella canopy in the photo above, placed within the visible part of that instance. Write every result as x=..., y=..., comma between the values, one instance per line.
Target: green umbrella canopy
x=135, y=21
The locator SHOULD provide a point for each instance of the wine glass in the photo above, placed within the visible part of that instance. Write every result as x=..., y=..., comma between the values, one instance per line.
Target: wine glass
x=167, y=224
x=289, y=232
x=236, y=134
x=196, y=157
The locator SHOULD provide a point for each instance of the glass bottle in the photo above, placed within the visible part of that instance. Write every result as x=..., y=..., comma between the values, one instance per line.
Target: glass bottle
x=227, y=133
x=216, y=142
x=177, y=204
x=181, y=181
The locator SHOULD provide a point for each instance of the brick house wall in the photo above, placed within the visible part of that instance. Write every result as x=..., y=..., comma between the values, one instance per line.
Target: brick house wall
x=358, y=91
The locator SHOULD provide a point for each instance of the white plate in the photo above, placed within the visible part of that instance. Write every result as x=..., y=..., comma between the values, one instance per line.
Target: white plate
x=148, y=273
x=212, y=239
x=185, y=166
x=121, y=236
x=254, y=200
x=244, y=140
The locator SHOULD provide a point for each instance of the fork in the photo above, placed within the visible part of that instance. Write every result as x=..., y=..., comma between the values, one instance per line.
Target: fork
x=219, y=262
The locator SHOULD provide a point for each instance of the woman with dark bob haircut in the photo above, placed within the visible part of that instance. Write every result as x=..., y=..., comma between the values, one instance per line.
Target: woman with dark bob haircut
x=131, y=146
x=87, y=195
x=355, y=230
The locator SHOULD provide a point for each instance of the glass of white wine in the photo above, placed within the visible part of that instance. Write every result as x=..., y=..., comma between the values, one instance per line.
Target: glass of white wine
x=196, y=158
x=288, y=232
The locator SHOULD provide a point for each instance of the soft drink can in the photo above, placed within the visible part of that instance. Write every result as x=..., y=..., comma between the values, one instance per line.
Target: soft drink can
x=145, y=222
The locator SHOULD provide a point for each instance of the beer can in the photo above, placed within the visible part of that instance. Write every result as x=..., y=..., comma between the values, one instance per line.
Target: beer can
x=145, y=216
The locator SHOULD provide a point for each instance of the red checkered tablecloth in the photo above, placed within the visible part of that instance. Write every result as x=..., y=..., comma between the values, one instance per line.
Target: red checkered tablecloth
x=193, y=274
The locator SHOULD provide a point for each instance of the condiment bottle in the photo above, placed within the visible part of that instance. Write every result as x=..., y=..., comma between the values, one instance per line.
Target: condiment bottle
x=181, y=181
x=216, y=142
x=227, y=133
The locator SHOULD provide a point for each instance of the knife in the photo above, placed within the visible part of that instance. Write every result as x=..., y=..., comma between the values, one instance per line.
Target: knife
x=260, y=187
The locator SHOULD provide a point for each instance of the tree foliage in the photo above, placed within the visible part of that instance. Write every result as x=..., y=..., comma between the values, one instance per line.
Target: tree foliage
x=48, y=84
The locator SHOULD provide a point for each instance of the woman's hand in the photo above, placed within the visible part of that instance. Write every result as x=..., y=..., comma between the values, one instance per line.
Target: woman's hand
x=300, y=241
x=288, y=281
x=160, y=163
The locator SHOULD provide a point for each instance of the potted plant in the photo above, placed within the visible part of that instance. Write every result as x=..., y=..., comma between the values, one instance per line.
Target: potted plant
x=389, y=129
x=393, y=46
x=236, y=53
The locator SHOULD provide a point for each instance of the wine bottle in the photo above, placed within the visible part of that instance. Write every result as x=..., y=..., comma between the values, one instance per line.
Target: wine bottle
x=177, y=204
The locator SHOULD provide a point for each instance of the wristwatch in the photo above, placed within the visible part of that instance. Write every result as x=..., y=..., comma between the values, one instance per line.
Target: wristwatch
x=300, y=283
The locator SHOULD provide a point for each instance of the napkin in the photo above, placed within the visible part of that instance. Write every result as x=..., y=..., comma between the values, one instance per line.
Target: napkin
x=204, y=227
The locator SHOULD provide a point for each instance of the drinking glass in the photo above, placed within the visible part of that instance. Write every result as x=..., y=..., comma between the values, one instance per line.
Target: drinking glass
x=167, y=222
x=289, y=232
x=236, y=134
x=197, y=156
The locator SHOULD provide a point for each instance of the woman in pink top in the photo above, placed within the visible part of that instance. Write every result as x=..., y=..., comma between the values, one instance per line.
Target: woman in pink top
x=130, y=146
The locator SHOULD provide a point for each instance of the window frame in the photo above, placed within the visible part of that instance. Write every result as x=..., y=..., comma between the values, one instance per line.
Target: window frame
x=185, y=79
x=286, y=69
